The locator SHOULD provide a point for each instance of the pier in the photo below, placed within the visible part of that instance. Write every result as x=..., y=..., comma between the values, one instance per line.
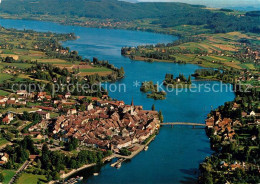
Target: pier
x=118, y=162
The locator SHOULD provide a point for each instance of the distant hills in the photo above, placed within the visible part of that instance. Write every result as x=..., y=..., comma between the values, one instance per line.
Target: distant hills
x=111, y=9
x=163, y=14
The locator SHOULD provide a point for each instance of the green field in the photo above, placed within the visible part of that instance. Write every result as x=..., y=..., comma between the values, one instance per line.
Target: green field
x=95, y=69
x=31, y=179
x=4, y=76
x=18, y=65
x=3, y=141
x=247, y=66
x=8, y=174
x=4, y=93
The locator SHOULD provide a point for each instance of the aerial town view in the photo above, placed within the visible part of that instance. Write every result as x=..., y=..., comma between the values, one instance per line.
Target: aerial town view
x=129, y=91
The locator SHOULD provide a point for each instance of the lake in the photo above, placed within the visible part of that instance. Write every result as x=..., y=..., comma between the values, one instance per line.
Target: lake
x=174, y=156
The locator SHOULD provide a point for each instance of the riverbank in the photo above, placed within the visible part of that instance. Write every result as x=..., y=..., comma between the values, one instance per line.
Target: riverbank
x=152, y=60
x=74, y=171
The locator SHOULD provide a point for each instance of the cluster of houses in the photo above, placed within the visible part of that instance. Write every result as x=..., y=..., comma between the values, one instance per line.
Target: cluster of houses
x=248, y=76
x=233, y=166
x=252, y=53
x=12, y=100
x=19, y=100
x=100, y=123
x=12, y=70
x=101, y=24
x=222, y=127
x=22, y=98
x=110, y=125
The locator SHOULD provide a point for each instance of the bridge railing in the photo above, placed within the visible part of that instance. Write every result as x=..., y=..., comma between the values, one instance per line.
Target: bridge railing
x=184, y=123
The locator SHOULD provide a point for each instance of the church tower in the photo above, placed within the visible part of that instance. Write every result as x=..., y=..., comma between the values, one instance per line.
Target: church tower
x=132, y=107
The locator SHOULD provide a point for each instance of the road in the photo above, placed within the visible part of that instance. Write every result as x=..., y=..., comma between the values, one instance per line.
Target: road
x=19, y=171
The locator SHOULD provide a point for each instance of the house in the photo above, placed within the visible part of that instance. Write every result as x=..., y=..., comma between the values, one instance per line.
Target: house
x=11, y=102
x=105, y=97
x=41, y=96
x=210, y=122
x=252, y=113
x=3, y=99
x=33, y=157
x=90, y=107
x=71, y=112
x=39, y=136
x=235, y=106
x=223, y=164
x=2, y=104
x=4, y=157
x=124, y=143
x=67, y=95
x=8, y=118
x=94, y=98
x=23, y=93
x=102, y=103
x=235, y=166
x=44, y=115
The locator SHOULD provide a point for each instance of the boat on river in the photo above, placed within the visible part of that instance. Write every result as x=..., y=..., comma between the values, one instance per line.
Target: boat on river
x=118, y=165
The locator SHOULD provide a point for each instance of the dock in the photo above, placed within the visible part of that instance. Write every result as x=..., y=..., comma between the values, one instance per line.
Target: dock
x=118, y=162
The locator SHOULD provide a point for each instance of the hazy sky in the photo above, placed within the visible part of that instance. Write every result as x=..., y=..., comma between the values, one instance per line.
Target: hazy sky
x=215, y=3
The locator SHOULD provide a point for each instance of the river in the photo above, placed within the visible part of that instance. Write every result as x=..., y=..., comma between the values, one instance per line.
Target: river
x=174, y=156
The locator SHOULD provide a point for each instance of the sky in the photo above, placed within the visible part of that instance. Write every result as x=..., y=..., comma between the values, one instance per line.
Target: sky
x=213, y=3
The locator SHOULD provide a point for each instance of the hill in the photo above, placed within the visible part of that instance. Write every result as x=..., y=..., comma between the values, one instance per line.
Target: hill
x=164, y=15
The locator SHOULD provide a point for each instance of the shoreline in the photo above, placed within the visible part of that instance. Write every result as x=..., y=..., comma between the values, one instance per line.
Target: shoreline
x=61, y=22
x=140, y=58
x=74, y=171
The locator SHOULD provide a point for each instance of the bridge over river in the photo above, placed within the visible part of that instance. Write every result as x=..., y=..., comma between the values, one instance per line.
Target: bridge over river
x=184, y=123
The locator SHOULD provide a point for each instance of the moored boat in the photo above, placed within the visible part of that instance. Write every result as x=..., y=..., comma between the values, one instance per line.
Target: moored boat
x=95, y=174
x=146, y=148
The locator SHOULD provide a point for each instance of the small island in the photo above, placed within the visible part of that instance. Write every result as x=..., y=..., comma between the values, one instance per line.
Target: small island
x=178, y=82
x=152, y=91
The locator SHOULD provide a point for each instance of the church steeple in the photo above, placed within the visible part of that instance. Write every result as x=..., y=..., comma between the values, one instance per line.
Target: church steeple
x=132, y=103
x=132, y=107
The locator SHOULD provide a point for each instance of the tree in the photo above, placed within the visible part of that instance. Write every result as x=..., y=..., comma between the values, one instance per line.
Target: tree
x=1, y=177
x=189, y=80
x=73, y=164
x=121, y=72
x=72, y=145
x=153, y=107
x=45, y=160
x=39, y=163
x=49, y=177
x=125, y=152
x=160, y=116
x=55, y=175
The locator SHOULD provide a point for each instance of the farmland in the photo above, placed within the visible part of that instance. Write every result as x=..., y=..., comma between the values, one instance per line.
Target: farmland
x=8, y=174
x=210, y=50
x=31, y=178
x=22, y=50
